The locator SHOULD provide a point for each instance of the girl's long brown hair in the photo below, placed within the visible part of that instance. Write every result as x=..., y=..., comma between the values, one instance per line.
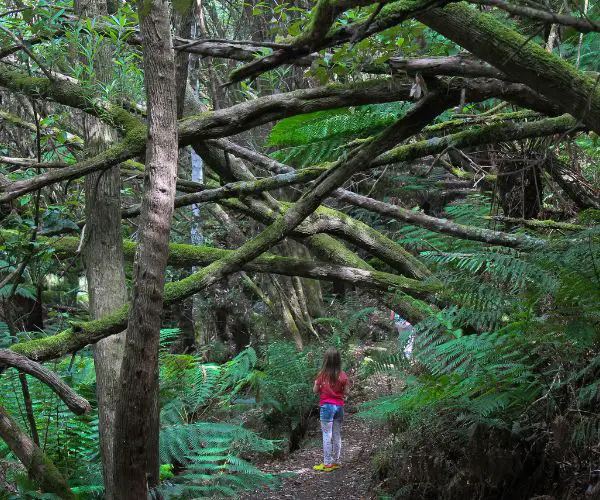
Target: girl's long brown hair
x=332, y=366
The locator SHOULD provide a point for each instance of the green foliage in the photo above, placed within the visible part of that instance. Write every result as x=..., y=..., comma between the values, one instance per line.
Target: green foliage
x=508, y=367
x=322, y=136
x=343, y=330
x=210, y=453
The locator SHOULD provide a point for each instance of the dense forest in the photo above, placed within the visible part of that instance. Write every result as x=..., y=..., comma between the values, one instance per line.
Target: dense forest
x=198, y=198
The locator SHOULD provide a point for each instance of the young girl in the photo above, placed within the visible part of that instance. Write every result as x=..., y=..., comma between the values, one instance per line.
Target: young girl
x=332, y=387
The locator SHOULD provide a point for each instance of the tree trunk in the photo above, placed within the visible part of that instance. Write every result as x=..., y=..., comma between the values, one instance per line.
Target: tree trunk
x=103, y=256
x=137, y=419
x=520, y=188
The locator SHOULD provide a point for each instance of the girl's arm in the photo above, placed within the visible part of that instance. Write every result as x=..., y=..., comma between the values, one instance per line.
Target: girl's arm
x=346, y=387
x=316, y=387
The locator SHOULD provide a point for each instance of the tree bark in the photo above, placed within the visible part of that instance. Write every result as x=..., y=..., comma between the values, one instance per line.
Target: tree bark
x=74, y=402
x=137, y=418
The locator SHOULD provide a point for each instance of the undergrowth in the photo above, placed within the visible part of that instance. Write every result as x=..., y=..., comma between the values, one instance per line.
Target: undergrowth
x=500, y=397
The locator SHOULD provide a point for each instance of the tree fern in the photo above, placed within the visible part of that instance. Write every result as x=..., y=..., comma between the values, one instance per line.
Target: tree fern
x=321, y=136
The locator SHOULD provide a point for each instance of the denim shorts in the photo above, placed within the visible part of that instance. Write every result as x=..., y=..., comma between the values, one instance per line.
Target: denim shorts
x=330, y=412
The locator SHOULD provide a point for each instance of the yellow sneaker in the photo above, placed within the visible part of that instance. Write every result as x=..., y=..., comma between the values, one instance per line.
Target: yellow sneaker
x=325, y=468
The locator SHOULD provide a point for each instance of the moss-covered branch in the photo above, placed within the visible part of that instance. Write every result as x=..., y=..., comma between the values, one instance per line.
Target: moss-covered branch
x=492, y=134
x=241, y=188
x=69, y=94
x=538, y=224
x=211, y=124
x=186, y=256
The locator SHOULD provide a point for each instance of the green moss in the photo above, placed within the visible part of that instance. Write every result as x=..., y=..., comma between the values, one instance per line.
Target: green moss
x=589, y=216
x=484, y=120
x=414, y=310
x=331, y=250
x=122, y=118
x=134, y=165
x=189, y=126
x=136, y=138
x=74, y=338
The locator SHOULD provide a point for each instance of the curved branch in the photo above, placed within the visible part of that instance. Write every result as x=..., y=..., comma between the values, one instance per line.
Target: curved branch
x=74, y=402
x=316, y=39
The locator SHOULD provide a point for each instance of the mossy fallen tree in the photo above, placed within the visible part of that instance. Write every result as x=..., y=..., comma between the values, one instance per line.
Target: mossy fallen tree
x=187, y=256
x=519, y=57
x=83, y=334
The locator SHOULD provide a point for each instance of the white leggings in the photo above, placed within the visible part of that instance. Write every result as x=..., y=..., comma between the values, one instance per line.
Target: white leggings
x=332, y=441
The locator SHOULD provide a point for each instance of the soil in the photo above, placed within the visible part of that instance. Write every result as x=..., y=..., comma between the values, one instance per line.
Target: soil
x=352, y=481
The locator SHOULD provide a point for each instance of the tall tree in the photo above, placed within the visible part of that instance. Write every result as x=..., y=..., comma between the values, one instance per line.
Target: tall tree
x=137, y=418
x=103, y=250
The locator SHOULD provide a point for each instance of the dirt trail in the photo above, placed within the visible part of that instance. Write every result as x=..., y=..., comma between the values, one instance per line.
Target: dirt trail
x=350, y=482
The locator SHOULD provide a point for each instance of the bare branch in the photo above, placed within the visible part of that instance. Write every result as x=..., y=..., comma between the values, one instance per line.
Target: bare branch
x=318, y=38
x=443, y=226
x=74, y=401
x=581, y=24
x=459, y=65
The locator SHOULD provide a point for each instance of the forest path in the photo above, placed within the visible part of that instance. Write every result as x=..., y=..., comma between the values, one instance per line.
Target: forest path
x=350, y=482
